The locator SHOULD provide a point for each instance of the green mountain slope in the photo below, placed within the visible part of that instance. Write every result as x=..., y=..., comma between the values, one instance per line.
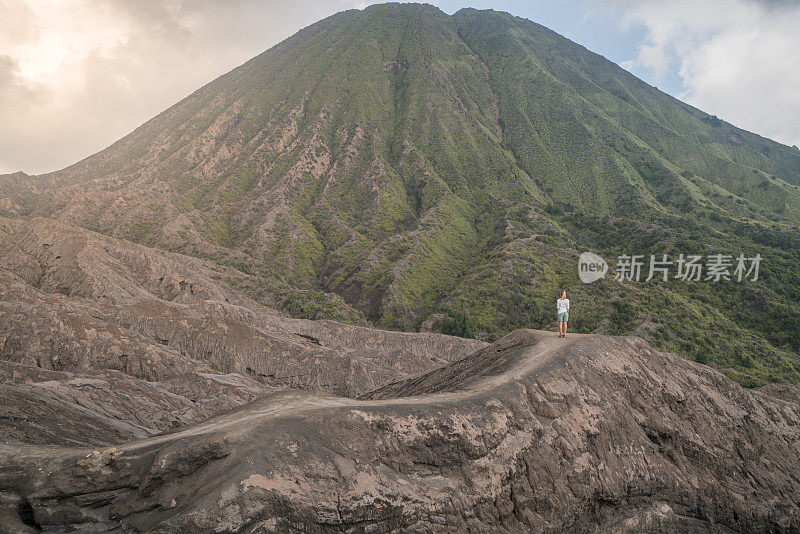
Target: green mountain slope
x=397, y=165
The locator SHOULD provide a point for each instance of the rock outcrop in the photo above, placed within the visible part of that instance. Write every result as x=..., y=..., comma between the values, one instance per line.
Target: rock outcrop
x=534, y=433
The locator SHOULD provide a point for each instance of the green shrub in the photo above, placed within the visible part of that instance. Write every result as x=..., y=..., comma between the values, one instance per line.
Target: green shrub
x=458, y=323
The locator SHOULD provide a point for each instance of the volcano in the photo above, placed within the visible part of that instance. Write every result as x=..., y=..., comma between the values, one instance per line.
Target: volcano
x=316, y=295
x=404, y=168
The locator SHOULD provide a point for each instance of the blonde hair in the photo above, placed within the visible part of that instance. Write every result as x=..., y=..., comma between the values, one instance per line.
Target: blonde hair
x=563, y=292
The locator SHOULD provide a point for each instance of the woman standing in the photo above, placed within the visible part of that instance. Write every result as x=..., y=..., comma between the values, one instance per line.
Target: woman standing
x=562, y=311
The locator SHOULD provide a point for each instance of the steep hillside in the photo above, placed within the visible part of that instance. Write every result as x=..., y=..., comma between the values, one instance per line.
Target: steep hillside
x=402, y=167
x=584, y=434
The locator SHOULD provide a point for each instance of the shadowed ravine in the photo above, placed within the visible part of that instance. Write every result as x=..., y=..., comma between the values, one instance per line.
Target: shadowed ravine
x=532, y=432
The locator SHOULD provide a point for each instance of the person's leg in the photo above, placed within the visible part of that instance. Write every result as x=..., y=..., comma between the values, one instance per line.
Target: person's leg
x=565, y=328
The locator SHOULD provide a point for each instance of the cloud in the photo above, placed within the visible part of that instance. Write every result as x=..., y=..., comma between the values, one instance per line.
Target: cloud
x=737, y=59
x=14, y=89
x=76, y=75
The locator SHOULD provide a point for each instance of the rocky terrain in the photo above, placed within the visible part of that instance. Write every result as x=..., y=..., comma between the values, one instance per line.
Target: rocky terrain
x=141, y=392
x=102, y=340
x=533, y=433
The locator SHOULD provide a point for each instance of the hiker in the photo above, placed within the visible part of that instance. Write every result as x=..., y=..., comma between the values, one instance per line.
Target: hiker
x=562, y=311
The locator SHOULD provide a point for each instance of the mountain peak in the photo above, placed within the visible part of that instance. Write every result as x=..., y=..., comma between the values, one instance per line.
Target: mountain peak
x=381, y=165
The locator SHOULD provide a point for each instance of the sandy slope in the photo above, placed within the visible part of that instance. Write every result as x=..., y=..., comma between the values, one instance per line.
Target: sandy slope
x=531, y=433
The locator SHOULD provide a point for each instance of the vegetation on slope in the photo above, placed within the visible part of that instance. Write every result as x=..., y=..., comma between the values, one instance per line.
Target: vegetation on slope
x=397, y=164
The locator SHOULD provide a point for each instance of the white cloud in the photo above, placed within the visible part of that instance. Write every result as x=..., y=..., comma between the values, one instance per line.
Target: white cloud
x=737, y=59
x=76, y=75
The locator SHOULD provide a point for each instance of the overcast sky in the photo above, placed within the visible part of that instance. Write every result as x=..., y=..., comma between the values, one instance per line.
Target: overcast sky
x=76, y=75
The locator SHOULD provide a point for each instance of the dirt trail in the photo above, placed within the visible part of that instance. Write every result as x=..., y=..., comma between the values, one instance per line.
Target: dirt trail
x=548, y=349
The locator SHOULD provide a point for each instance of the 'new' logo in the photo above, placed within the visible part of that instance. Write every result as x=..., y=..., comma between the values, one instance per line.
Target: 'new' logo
x=591, y=267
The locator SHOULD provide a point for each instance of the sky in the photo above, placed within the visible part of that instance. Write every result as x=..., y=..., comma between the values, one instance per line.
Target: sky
x=76, y=75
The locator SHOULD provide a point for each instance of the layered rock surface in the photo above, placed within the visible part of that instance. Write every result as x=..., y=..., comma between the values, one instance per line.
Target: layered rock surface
x=534, y=433
x=103, y=341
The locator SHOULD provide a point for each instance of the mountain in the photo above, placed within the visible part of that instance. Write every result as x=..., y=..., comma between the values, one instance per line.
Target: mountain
x=188, y=318
x=400, y=167
x=533, y=433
